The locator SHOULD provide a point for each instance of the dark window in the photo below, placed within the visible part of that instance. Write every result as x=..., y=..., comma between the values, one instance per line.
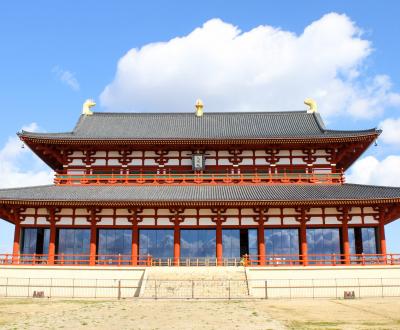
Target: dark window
x=282, y=241
x=323, y=242
x=291, y=170
x=73, y=244
x=238, y=242
x=158, y=243
x=198, y=243
x=35, y=241
x=253, y=242
x=362, y=240
x=231, y=243
x=114, y=244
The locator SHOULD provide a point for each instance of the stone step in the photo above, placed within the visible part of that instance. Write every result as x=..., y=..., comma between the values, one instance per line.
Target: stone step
x=196, y=282
x=195, y=289
x=196, y=273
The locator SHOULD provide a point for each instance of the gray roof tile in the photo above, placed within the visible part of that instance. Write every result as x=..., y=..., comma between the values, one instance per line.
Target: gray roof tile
x=200, y=193
x=213, y=125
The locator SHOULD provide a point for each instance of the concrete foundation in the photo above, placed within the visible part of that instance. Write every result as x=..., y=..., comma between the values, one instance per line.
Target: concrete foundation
x=200, y=282
x=323, y=282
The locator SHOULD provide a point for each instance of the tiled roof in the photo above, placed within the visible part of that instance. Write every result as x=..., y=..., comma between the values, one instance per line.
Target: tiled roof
x=201, y=193
x=213, y=125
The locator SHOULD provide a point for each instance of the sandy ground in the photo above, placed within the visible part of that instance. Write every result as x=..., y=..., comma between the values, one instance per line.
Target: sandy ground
x=173, y=314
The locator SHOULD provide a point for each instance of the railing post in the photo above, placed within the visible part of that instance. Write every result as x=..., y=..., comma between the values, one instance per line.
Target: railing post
x=266, y=289
x=119, y=289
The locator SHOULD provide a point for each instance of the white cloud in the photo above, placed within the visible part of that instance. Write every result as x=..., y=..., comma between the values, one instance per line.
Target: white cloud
x=66, y=77
x=370, y=170
x=265, y=68
x=390, y=131
x=19, y=166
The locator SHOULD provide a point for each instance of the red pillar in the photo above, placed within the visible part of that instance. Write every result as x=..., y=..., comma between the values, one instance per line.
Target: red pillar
x=345, y=239
x=93, y=240
x=303, y=241
x=135, y=244
x=261, y=243
x=52, y=243
x=382, y=239
x=177, y=244
x=17, y=236
x=219, y=251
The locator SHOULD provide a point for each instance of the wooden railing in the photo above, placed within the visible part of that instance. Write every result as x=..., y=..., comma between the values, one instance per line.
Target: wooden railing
x=251, y=260
x=323, y=260
x=198, y=178
x=74, y=260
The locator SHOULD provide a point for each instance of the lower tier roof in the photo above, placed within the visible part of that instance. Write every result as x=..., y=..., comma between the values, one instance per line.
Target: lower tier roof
x=295, y=194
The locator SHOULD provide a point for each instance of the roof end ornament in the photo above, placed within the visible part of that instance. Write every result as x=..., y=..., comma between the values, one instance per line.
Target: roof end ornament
x=199, y=108
x=312, y=105
x=89, y=103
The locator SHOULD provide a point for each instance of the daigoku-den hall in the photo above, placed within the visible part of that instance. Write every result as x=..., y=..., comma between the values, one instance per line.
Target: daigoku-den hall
x=200, y=188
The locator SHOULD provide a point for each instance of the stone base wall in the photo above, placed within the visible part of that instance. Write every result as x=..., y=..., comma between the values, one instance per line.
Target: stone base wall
x=324, y=282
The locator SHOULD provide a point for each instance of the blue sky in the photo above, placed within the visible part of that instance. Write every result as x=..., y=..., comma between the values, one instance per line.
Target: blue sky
x=54, y=55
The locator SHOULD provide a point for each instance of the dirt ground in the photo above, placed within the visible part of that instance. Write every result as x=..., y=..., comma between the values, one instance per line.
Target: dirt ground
x=178, y=314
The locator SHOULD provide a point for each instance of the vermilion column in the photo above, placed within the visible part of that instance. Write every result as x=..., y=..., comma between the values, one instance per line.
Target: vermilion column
x=303, y=240
x=346, y=245
x=261, y=243
x=177, y=244
x=93, y=240
x=17, y=236
x=382, y=239
x=135, y=244
x=219, y=251
x=52, y=243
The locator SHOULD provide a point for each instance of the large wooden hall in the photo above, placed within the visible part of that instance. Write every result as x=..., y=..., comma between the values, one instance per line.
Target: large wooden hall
x=200, y=188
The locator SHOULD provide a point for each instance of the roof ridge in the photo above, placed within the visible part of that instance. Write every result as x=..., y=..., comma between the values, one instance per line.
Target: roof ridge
x=283, y=112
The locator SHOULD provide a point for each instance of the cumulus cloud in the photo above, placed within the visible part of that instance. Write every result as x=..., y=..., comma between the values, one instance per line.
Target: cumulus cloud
x=370, y=170
x=19, y=167
x=66, y=77
x=265, y=68
x=390, y=131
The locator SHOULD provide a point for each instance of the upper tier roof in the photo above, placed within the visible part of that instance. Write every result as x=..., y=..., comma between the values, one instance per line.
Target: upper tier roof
x=295, y=193
x=211, y=126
